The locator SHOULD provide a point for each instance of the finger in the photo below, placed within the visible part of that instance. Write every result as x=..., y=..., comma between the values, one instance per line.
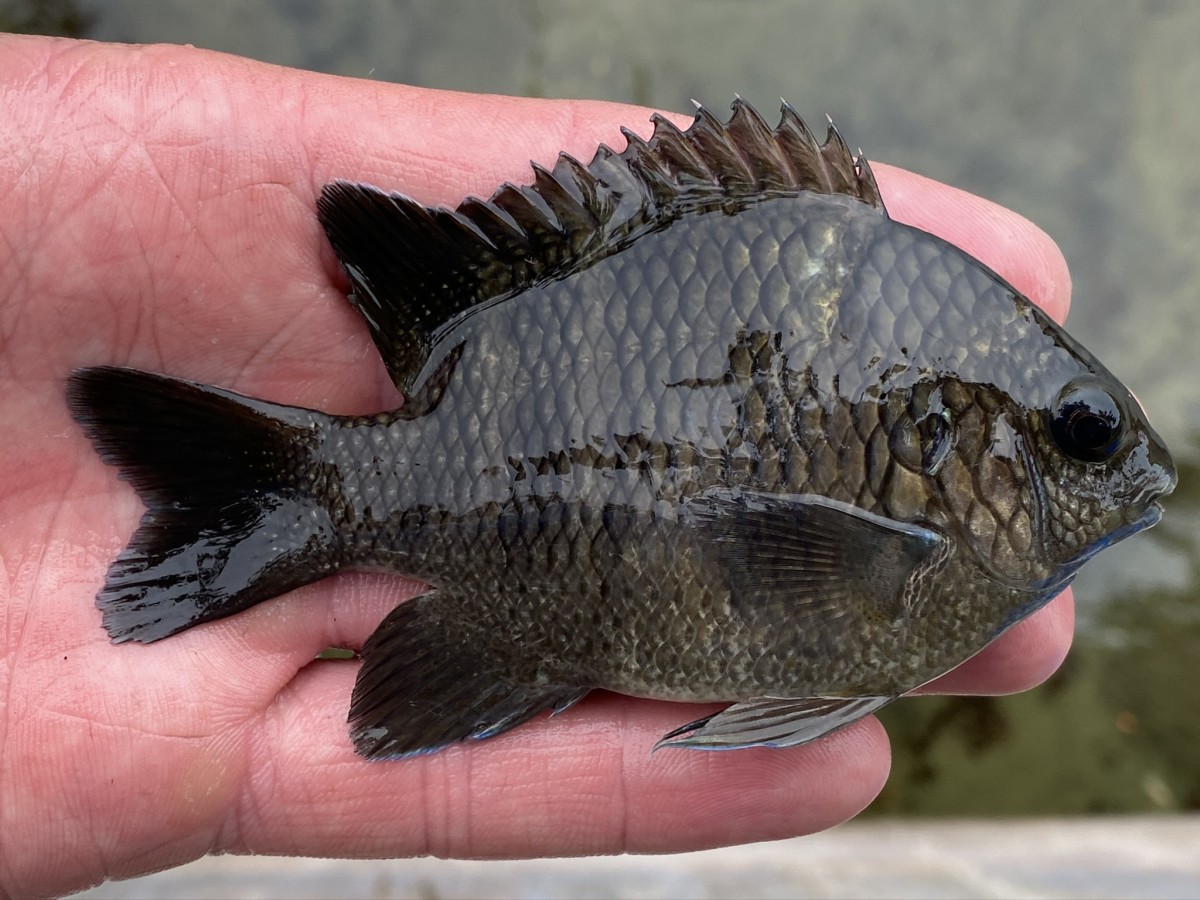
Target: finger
x=340, y=611
x=581, y=782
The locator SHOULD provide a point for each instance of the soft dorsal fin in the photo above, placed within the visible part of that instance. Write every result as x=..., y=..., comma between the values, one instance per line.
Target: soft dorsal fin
x=414, y=269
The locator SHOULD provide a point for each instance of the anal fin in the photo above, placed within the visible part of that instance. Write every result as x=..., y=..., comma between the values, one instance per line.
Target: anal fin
x=425, y=685
x=772, y=722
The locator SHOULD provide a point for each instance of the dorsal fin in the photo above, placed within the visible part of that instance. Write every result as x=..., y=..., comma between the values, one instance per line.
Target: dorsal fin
x=414, y=270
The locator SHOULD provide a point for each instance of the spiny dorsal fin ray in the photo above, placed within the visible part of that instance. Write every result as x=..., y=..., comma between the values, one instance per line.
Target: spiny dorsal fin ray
x=414, y=270
x=752, y=135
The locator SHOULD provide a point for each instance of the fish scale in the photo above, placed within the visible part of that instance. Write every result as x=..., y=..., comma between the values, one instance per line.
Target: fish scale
x=697, y=421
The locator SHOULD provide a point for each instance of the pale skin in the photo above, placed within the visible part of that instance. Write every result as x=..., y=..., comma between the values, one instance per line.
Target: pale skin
x=157, y=211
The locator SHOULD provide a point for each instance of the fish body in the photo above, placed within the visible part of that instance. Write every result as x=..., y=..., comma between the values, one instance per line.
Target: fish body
x=698, y=421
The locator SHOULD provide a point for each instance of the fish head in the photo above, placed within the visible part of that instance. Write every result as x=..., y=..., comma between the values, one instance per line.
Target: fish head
x=1060, y=464
x=1102, y=470
x=1004, y=433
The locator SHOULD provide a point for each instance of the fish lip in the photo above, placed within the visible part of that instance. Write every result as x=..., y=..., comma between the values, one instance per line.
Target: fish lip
x=1150, y=517
x=1154, y=495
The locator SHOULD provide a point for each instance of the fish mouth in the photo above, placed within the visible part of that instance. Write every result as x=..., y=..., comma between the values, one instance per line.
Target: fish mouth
x=1152, y=498
x=1163, y=488
x=1149, y=517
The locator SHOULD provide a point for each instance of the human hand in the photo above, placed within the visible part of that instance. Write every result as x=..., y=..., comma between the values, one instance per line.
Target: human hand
x=157, y=211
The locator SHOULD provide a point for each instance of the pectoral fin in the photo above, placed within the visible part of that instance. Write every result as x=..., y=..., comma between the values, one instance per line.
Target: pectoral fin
x=772, y=723
x=803, y=555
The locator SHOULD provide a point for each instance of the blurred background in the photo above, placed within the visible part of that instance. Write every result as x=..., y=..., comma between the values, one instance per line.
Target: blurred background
x=1083, y=115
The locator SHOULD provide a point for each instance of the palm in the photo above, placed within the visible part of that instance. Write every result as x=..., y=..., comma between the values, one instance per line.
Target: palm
x=170, y=227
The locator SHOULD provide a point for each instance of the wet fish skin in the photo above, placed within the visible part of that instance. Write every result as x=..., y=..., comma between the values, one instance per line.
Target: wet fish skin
x=698, y=422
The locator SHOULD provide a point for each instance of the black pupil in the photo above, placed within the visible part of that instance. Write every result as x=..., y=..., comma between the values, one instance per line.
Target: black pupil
x=1087, y=425
x=1089, y=430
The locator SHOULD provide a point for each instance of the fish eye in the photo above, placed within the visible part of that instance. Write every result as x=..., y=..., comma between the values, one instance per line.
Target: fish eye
x=1087, y=424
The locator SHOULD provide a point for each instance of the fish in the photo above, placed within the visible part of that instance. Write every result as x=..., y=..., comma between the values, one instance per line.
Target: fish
x=696, y=421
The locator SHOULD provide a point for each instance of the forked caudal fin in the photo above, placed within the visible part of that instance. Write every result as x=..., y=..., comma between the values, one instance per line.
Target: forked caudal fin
x=229, y=520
